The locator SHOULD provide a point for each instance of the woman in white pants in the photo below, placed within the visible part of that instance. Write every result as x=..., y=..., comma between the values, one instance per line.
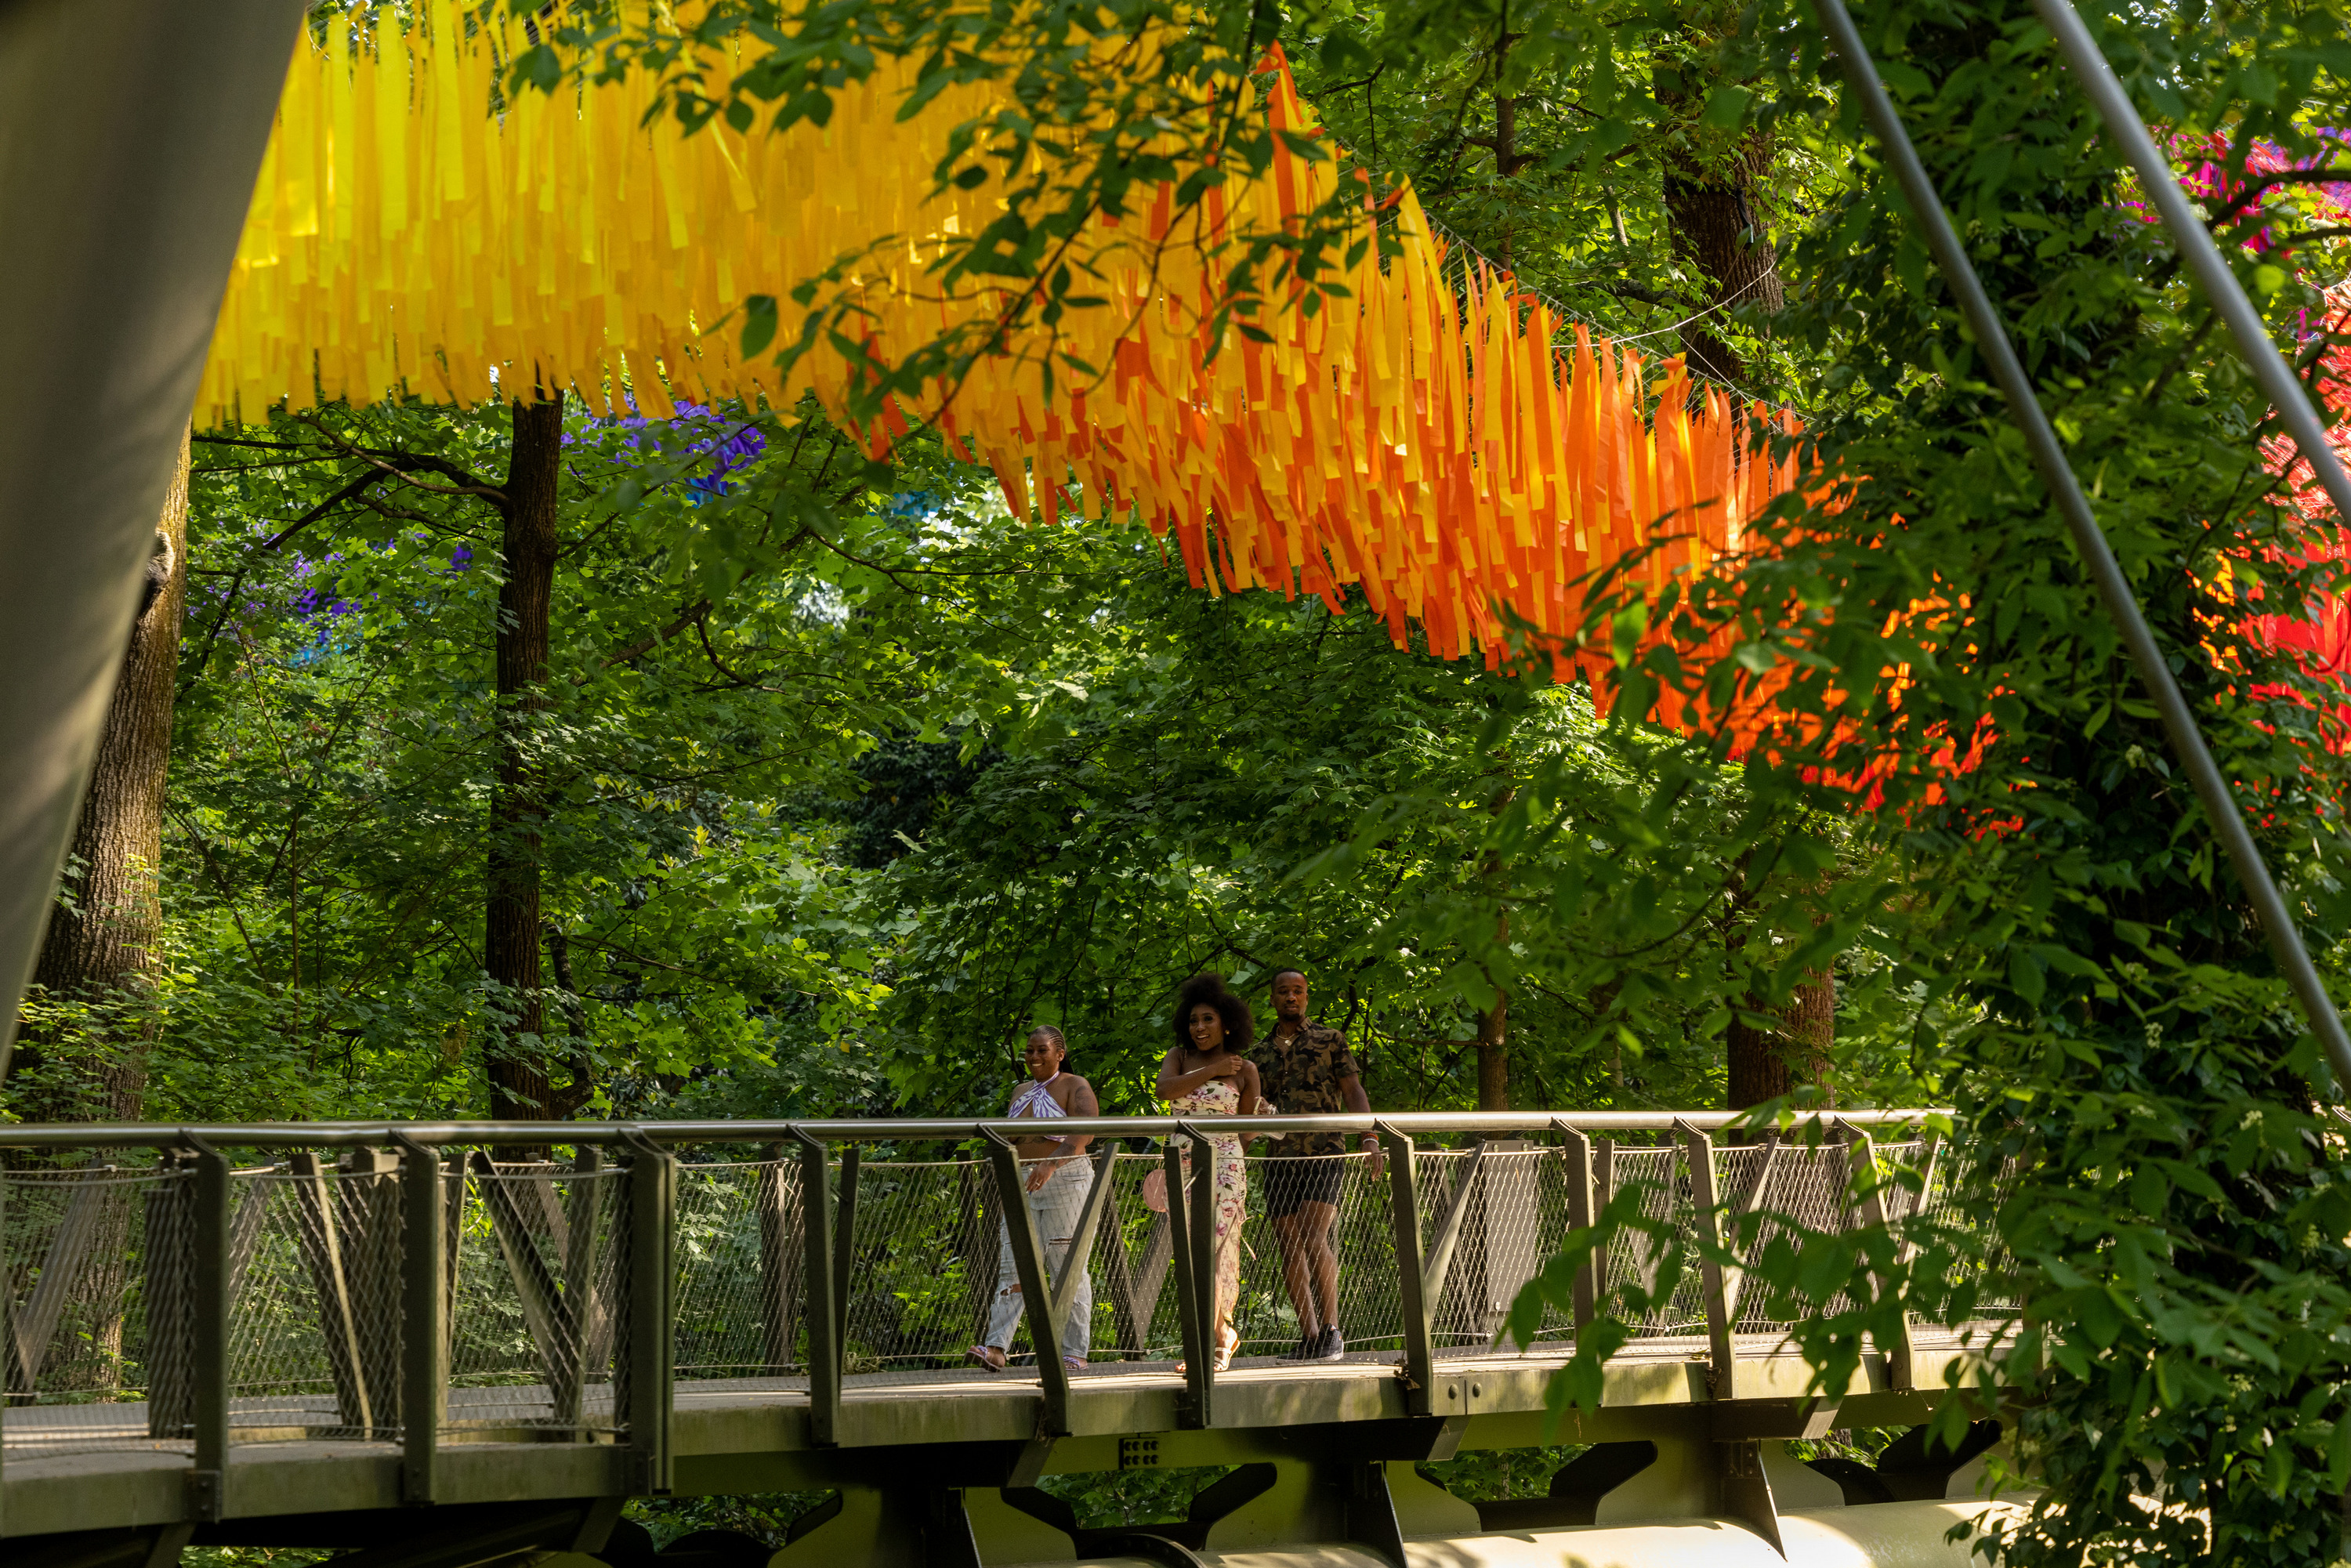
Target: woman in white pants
x=1056, y=1183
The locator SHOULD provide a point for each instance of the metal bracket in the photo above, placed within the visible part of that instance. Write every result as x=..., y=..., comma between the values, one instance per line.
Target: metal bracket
x=1036, y=1292
x=1575, y=1153
x=823, y=1302
x=1079, y=1254
x=1404, y=1204
x=1437, y=1263
x=1722, y=1348
x=1192, y=1408
x=209, y=1314
x=423, y=1321
x=650, y=1314
x=1747, y=1490
x=1371, y=1513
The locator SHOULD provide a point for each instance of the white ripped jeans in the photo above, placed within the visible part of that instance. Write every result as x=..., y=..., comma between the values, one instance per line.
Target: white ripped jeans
x=1053, y=1209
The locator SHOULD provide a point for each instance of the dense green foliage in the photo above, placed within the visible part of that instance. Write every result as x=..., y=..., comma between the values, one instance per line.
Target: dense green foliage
x=856, y=776
x=852, y=785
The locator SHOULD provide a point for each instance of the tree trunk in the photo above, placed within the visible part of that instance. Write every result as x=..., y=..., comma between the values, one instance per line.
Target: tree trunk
x=101, y=944
x=517, y=1065
x=1494, y=1055
x=1763, y=1062
x=1758, y=1067
x=1719, y=229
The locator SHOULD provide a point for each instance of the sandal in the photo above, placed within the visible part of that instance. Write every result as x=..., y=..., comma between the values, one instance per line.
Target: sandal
x=989, y=1356
x=1074, y=1363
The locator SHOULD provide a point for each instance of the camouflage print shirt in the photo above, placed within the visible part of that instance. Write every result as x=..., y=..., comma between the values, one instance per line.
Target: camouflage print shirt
x=1301, y=1075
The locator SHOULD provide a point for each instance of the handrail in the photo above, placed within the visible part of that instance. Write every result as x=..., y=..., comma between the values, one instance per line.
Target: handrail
x=362, y=1135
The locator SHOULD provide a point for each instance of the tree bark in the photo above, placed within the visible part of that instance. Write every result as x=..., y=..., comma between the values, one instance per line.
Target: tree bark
x=1758, y=1067
x=100, y=945
x=1763, y=1062
x=1494, y=1055
x=1718, y=227
x=510, y=940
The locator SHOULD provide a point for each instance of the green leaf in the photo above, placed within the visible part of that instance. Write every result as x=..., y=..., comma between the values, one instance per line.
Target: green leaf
x=759, y=324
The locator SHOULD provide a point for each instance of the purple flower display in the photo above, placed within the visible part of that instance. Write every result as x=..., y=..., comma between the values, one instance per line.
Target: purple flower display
x=729, y=445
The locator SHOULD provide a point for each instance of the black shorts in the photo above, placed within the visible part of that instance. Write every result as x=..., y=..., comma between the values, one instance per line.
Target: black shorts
x=1292, y=1181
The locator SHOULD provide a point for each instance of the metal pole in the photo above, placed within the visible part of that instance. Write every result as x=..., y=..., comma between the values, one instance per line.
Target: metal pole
x=208, y=1481
x=1202, y=1217
x=423, y=1332
x=1722, y=1348
x=652, y=1273
x=2113, y=588
x=2194, y=241
x=1412, y=1296
x=366, y=1134
x=823, y=1316
x=1188, y=1317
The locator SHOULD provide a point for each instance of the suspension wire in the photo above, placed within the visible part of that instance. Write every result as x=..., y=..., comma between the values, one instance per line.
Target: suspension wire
x=2194, y=243
x=2049, y=456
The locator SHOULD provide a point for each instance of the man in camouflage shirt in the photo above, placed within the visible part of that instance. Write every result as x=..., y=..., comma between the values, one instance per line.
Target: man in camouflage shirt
x=1306, y=1070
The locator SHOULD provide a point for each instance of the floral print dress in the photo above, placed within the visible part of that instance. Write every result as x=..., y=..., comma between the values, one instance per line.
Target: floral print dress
x=1220, y=1097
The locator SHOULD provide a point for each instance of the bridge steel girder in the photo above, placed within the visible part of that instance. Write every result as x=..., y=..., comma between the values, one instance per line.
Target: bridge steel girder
x=135, y=130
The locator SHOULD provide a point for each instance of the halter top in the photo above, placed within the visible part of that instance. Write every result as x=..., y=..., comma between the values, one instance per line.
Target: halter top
x=1035, y=1099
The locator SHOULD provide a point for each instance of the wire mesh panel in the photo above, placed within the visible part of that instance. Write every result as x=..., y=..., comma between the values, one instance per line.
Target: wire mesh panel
x=1661, y=1176
x=1360, y=1239
x=314, y=1299
x=536, y=1280
x=83, y=1340
x=1137, y=1317
x=922, y=1263
x=1988, y=1269
x=739, y=1247
x=1515, y=1218
x=1807, y=1193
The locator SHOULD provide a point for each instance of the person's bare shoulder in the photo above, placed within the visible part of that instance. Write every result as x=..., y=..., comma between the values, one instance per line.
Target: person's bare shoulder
x=1078, y=1090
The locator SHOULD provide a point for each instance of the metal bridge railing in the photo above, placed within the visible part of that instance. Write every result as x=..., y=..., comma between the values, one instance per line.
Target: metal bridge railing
x=185, y=1291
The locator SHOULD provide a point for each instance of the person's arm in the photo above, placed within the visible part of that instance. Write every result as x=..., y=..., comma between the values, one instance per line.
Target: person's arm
x=1081, y=1103
x=1351, y=1090
x=1246, y=1079
x=1175, y=1085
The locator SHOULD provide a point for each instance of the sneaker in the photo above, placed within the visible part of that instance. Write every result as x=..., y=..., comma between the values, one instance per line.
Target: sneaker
x=1332, y=1347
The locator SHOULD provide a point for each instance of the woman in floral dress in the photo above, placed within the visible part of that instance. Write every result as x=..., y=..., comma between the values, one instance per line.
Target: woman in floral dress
x=1206, y=1076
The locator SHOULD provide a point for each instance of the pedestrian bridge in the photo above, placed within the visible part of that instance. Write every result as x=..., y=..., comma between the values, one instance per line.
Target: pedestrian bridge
x=448, y=1345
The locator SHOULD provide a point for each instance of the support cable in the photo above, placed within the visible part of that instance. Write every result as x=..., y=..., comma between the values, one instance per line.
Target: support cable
x=2097, y=554
x=2194, y=242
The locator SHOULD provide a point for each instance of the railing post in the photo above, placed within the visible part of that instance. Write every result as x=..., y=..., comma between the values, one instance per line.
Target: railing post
x=423, y=1327
x=209, y=1308
x=844, y=1247
x=1604, y=1193
x=650, y=1379
x=1870, y=1211
x=824, y=1301
x=1193, y=1408
x=1419, y=1355
x=1575, y=1153
x=1699, y=1149
x=1201, y=1220
x=1036, y=1288
x=1901, y=1357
